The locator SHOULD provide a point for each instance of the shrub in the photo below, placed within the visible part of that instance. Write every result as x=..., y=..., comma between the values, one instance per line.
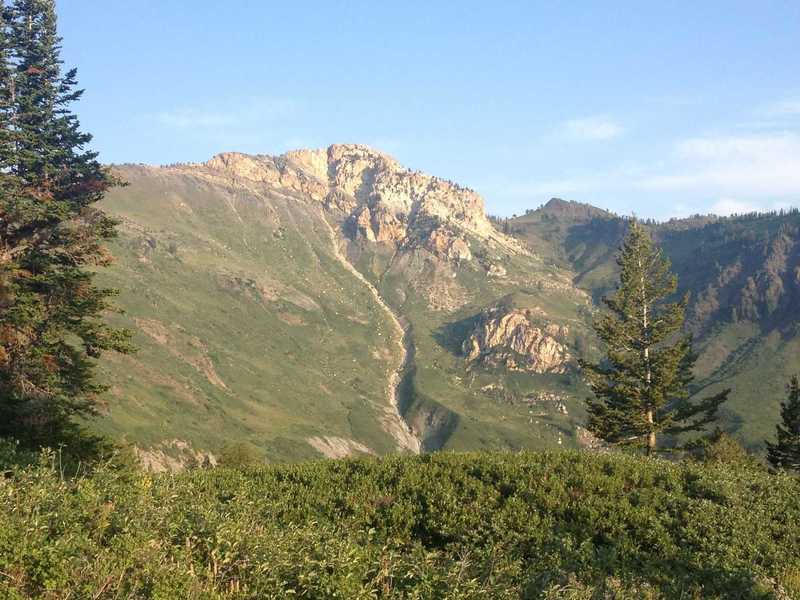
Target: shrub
x=239, y=455
x=530, y=525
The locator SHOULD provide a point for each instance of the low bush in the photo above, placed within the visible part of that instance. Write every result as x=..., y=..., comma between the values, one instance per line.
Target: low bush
x=532, y=525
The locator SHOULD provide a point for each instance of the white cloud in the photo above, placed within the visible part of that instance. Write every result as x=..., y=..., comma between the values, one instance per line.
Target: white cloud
x=593, y=129
x=747, y=165
x=753, y=148
x=719, y=174
x=676, y=100
x=235, y=114
x=188, y=118
x=725, y=207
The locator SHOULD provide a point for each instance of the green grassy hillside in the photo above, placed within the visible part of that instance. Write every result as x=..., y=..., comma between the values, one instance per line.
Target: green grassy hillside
x=254, y=325
x=270, y=296
x=564, y=525
x=248, y=327
x=478, y=408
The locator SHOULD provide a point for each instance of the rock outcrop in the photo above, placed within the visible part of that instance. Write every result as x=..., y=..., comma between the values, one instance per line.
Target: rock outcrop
x=382, y=201
x=379, y=225
x=336, y=447
x=445, y=243
x=173, y=456
x=514, y=339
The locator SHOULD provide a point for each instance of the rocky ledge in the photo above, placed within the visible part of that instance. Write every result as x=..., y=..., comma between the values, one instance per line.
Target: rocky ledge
x=516, y=339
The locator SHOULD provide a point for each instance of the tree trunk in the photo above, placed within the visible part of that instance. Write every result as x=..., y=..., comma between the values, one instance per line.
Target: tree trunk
x=651, y=436
x=650, y=413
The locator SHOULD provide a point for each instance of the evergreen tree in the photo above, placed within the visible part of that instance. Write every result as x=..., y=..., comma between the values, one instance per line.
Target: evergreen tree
x=642, y=388
x=6, y=146
x=785, y=453
x=52, y=325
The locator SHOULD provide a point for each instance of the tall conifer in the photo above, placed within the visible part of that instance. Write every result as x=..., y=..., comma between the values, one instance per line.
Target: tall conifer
x=642, y=388
x=52, y=323
x=785, y=453
x=5, y=85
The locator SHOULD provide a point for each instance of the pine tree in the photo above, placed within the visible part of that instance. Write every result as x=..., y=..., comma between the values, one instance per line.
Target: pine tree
x=52, y=325
x=642, y=388
x=785, y=453
x=5, y=85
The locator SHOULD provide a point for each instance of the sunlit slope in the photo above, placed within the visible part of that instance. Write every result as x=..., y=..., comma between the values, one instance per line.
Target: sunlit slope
x=267, y=296
x=248, y=328
x=756, y=366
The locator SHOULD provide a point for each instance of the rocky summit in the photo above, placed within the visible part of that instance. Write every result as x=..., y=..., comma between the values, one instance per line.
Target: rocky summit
x=381, y=200
x=332, y=302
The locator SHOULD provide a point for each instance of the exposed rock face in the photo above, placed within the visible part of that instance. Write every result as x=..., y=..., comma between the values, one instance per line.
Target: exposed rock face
x=509, y=338
x=446, y=244
x=497, y=271
x=379, y=225
x=586, y=439
x=172, y=456
x=254, y=170
x=336, y=447
x=383, y=201
x=363, y=221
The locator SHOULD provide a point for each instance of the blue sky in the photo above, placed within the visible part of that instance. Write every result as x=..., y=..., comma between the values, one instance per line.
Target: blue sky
x=655, y=108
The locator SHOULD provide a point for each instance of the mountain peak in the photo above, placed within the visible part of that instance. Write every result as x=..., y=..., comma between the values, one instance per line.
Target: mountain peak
x=573, y=209
x=317, y=161
x=383, y=201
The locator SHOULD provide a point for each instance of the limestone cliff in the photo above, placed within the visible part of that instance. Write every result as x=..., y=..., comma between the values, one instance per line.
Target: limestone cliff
x=382, y=202
x=515, y=339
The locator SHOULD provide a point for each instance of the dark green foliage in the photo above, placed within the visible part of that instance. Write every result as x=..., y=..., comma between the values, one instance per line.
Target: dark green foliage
x=51, y=313
x=12, y=456
x=721, y=447
x=528, y=525
x=6, y=146
x=642, y=388
x=785, y=453
x=238, y=455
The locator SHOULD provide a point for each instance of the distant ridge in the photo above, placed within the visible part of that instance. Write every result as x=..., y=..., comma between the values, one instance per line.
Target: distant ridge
x=574, y=210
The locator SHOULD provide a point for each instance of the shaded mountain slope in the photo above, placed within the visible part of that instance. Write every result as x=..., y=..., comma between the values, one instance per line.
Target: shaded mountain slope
x=743, y=277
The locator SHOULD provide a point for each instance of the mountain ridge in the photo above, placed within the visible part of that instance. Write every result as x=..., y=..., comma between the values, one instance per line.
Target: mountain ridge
x=292, y=301
x=246, y=225
x=742, y=274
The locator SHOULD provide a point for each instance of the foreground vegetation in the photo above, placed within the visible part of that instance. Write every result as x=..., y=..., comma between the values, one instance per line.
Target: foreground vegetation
x=564, y=525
